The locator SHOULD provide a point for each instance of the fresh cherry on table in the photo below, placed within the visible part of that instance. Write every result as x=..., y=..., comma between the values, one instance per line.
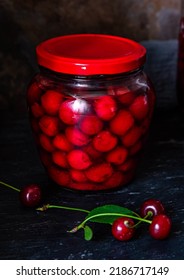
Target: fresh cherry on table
x=30, y=195
x=123, y=228
x=160, y=227
x=151, y=207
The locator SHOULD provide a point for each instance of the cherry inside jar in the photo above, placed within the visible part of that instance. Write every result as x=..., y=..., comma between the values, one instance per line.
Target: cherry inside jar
x=90, y=110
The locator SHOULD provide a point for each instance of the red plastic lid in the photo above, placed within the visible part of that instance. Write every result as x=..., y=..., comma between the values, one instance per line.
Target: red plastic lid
x=90, y=54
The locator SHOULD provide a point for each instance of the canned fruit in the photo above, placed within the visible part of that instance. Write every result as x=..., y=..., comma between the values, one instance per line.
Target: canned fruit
x=78, y=175
x=51, y=102
x=122, y=122
x=71, y=111
x=46, y=142
x=104, y=141
x=132, y=136
x=91, y=125
x=115, y=180
x=58, y=175
x=37, y=110
x=79, y=159
x=60, y=159
x=117, y=156
x=127, y=98
x=33, y=93
x=61, y=142
x=76, y=137
x=99, y=172
x=90, y=109
x=139, y=107
x=49, y=125
x=90, y=142
x=105, y=107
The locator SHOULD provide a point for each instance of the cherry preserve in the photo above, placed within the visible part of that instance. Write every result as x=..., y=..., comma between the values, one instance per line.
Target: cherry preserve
x=90, y=109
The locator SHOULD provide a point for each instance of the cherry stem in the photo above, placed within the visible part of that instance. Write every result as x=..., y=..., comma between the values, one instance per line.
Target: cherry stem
x=48, y=206
x=149, y=215
x=9, y=186
x=81, y=225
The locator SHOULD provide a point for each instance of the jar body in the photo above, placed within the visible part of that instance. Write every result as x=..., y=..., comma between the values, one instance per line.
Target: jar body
x=90, y=131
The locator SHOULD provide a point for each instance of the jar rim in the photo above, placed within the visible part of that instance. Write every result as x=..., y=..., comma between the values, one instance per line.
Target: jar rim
x=90, y=54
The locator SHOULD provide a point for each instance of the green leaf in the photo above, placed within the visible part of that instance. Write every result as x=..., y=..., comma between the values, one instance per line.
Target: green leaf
x=107, y=214
x=88, y=233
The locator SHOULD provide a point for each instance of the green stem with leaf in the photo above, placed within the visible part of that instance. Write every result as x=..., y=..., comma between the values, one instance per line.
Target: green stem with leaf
x=82, y=225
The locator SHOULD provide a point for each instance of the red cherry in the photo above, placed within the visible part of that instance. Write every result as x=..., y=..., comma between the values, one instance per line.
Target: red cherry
x=123, y=228
x=49, y=125
x=91, y=125
x=71, y=111
x=132, y=136
x=160, y=227
x=30, y=195
x=51, y=101
x=59, y=158
x=128, y=165
x=91, y=151
x=136, y=148
x=139, y=108
x=79, y=159
x=36, y=110
x=118, y=91
x=152, y=206
x=61, y=142
x=114, y=181
x=46, y=142
x=78, y=175
x=58, y=175
x=122, y=122
x=117, y=155
x=33, y=93
x=76, y=137
x=104, y=141
x=105, y=107
x=126, y=98
x=99, y=173
x=66, y=113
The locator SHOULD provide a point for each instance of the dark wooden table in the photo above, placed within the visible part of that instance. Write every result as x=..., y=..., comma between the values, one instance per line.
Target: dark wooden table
x=29, y=234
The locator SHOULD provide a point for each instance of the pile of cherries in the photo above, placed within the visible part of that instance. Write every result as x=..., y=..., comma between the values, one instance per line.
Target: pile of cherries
x=89, y=141
x=123, y=228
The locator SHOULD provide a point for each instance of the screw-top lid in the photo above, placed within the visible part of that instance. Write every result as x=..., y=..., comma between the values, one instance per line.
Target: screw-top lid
x=90, y=54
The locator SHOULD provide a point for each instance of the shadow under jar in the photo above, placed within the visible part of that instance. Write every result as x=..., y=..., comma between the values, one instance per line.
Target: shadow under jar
x=90, y=108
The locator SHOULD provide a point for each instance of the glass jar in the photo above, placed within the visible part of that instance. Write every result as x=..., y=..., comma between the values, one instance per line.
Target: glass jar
x=90, y=109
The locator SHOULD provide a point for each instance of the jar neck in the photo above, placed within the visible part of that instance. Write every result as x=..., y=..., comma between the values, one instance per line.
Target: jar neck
x=93, y=82
x=63, y=76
